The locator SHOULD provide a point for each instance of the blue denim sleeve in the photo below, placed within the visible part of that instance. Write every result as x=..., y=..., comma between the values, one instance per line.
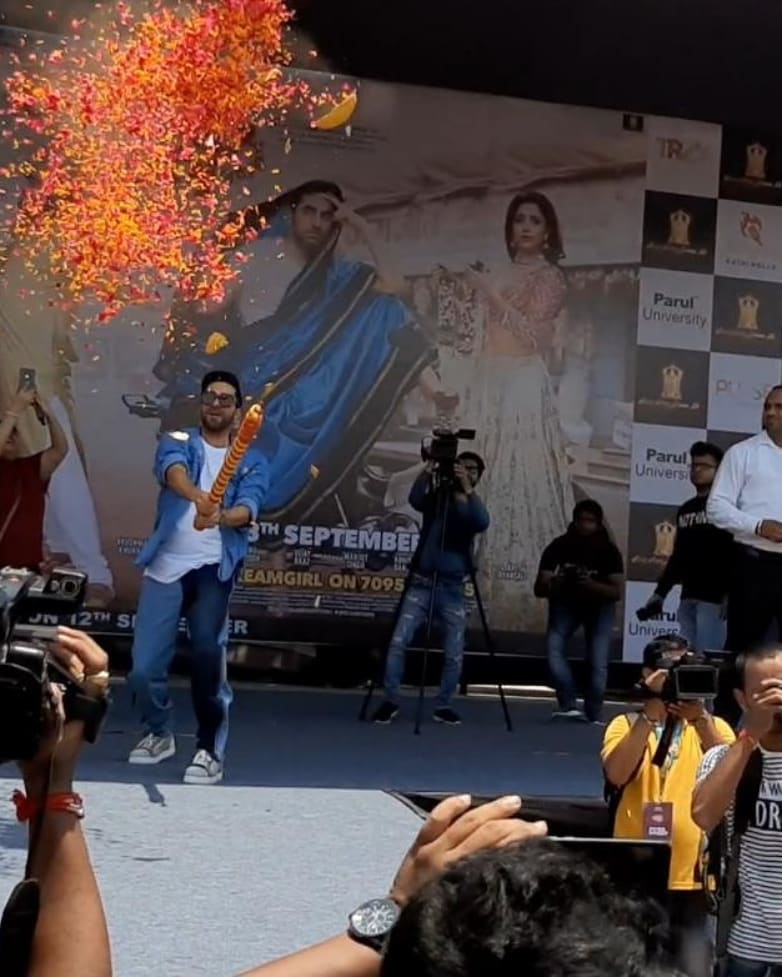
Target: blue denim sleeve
x=253, y=486
x=474, y=514
x=419, y=491
x=170, y=451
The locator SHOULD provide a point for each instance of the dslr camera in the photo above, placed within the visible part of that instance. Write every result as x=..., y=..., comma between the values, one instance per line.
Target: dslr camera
x=442, y=449
x=27, y=671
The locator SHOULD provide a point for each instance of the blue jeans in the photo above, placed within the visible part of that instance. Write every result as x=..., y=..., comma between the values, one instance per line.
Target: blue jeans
x=203, y=599
x=739, y=967
x=702, y=624
x=450, y=612
x=563, y=622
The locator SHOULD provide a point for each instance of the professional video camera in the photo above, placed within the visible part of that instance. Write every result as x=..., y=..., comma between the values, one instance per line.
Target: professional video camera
x=690, y=677
x=442, y=449
x=27, y=671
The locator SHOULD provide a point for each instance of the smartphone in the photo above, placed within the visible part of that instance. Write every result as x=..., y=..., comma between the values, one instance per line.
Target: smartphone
x=27, y=379
x=637, y=867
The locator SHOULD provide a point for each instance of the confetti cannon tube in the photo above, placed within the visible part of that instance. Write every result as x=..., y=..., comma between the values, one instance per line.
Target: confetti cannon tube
x=250, y=426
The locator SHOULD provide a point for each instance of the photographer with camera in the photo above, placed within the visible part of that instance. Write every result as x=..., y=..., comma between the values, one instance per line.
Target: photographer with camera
x=701, y=560
x=650, y=761
x=581, y=574
x=453, y=515
x=24, y=481
x=69, y=937
x=739, y=798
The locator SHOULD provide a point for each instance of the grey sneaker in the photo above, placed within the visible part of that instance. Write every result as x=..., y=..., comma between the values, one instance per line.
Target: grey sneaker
x=153, y=749
x=204, y=769
x=567, y=714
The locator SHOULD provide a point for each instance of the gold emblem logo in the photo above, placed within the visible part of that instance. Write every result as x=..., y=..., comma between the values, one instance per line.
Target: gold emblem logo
x=680, y=223
x=748, y=314
x=672, y=377
x=664, y=537
x=756, y=161
x=752, y=227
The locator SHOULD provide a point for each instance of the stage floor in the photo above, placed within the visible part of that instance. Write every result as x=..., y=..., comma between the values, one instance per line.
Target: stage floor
x=208, y=881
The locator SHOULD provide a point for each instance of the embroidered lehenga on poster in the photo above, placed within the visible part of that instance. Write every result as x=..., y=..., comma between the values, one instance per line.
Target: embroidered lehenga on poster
x=507, y=395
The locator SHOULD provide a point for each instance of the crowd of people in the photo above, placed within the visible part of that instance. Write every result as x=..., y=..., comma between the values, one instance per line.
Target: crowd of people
x=482, y=890
x=674, y=770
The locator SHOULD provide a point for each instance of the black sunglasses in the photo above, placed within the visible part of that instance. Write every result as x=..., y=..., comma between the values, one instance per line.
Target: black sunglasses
x=209, y=398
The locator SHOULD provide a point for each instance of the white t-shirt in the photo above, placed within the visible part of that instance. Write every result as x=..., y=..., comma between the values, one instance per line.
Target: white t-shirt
x=188, y=548
x=756, y=933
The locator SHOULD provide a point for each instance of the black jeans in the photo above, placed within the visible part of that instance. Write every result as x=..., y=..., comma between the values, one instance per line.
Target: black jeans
x=754, y=608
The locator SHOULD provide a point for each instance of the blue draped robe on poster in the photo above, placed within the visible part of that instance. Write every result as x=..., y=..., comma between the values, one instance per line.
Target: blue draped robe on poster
x=340, y=354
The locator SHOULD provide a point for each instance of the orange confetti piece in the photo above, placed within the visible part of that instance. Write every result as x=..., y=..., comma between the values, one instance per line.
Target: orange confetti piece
x=144, y=127
x=215, y=343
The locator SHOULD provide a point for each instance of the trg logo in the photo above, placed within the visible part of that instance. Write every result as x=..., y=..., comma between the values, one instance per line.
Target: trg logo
x=680, y=150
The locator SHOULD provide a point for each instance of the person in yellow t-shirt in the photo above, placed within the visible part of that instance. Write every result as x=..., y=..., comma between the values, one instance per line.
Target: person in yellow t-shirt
x=654, y=801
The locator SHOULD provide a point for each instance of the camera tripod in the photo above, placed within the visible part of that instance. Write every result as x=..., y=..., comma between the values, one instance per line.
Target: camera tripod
x=442, y=501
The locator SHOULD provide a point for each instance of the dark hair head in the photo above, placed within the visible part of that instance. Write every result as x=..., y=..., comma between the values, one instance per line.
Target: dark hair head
x=259, y=215
x=705, y=449
x=222, y=376
x=552, y=250
x=472, y=456
x=588, y=507
x=535, y=909
x=294, y=197
x=760, y=653
x=663, y=645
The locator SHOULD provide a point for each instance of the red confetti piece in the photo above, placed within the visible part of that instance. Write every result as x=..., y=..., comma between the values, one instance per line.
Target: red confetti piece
x=144, y=127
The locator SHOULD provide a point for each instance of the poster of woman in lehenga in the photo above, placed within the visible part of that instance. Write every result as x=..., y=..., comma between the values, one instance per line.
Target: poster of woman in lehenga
x=514, y=410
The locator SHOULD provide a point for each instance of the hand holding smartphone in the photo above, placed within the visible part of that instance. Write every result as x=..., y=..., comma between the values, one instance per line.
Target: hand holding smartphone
x=29, y=381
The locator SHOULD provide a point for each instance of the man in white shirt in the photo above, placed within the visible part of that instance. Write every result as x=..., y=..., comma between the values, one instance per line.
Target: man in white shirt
x=746, y=500
x=191, y=572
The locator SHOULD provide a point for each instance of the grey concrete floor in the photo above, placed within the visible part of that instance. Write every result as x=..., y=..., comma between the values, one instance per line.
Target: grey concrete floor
x=208, y=881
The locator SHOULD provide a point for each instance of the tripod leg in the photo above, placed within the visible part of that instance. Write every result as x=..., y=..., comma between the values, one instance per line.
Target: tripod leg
x=490, y=647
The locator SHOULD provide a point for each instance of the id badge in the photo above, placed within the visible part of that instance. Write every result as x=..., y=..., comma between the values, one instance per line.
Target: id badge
x=658, y=821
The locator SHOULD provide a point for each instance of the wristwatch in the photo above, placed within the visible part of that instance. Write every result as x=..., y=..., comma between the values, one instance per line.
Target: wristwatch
x=372, y=922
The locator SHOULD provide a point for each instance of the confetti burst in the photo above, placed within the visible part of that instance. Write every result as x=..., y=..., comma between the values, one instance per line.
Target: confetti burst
x=144, y=126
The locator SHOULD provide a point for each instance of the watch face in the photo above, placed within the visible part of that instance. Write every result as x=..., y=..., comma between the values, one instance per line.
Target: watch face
x=375, y=918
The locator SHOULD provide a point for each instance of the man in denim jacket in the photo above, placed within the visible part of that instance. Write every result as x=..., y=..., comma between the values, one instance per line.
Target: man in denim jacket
x=192, y=572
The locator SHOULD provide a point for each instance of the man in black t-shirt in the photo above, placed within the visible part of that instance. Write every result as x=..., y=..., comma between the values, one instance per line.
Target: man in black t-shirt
x=581, y=574
x=700, y=562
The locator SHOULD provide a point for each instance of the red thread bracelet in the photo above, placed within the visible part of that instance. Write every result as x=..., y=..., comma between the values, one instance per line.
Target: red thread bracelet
x=66, y=803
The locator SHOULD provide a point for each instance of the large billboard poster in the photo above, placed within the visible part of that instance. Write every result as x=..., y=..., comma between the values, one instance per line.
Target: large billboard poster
x=451, y=260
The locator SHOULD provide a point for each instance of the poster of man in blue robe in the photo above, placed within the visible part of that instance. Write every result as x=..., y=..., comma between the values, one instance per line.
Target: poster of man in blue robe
x=328, y=343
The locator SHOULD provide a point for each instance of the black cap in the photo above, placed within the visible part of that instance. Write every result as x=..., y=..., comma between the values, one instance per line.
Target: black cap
x=222, y=376
x=662, y=646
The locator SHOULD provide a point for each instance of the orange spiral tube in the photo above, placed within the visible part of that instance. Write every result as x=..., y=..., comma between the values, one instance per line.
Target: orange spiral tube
x=250, y=426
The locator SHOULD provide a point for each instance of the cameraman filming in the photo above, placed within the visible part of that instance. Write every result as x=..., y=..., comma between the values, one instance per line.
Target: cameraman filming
x=581, y=574
x=653, y=800
x=70, y=936
x=452, y=516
